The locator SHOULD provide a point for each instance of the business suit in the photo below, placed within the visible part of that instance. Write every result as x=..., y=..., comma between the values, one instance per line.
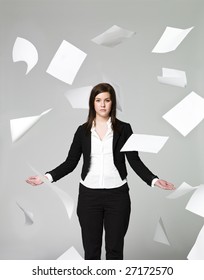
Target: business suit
x=81, y=145
x=103, y=208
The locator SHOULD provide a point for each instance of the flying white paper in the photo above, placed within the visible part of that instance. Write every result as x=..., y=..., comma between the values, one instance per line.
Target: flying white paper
x=70, y=254
x=66, y=199
x=197, y=251
x=160, y=234
x=195, y=204
x=182, y=190
x=187, y=114
x=28, y=215
x=24, y=50
x=144, y=143
x=79, y=97
x=170, y=39
x=22, y=125
x=113, y=36
x=173, y=77
x=66, y=62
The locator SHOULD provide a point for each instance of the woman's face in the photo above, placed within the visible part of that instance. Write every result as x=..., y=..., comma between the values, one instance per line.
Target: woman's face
x=103, y=104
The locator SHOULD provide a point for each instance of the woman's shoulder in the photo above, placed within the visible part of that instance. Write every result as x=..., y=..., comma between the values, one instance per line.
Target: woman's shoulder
x=122, y=123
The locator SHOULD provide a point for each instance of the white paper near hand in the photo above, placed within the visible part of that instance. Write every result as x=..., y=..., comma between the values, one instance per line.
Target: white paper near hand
x=173, y=77
x=197, y=251
x=20, y=126
x=79, y=97
x=170, y=39
x=160, y=234
x=66, y=199
x=66, y=62
x=70, y=254
x=144, y=143
x=25, y=51
x=28, y=215
x=195, y=204
x=187, y=114
x=182, y=190
x=113, y=36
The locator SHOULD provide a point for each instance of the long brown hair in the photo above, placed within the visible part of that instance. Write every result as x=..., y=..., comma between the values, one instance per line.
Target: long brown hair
x=102, y=87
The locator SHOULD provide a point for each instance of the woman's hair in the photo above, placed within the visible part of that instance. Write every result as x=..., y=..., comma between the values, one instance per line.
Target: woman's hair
x=102, y=87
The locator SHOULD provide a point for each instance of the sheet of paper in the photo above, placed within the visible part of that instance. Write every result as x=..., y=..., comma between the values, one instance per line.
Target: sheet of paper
x=195, y=204
x=181, y=190
x=144, y=143
x=197, y=251
x=66, y=199
x=20, y=126
x=112, y=37
x=79, y=97
x=70, y=254
x=160, y=234
x=187, y=114
x=173, y=77
x=171, y=39
x=28, y=215
x=24, y=50
x=66, y=62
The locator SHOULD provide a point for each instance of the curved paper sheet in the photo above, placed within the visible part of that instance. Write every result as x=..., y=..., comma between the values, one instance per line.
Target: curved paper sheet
x=79, y=97
x=160, y=233
x=195, y=204
x=22, y=125
x=28, y=215
x=171, y=39
x=66, y=199
x=173, y=77
x=24, y=50
x=197, y=251
x=182, y=190
x=112, y=37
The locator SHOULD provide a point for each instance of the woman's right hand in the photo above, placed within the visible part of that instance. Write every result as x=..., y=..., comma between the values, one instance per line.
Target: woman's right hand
x=34, y=180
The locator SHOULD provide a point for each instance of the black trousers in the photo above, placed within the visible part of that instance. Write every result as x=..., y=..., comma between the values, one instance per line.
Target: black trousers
x=107, y=209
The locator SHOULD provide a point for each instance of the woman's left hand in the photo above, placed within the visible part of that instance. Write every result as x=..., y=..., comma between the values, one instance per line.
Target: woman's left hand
x=164, y=185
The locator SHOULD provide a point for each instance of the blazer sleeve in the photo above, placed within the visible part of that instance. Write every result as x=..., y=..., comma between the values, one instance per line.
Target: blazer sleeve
x=136, y=163
x=72, y=159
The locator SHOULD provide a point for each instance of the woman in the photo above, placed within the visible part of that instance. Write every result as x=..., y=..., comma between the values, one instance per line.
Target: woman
x=103, y=200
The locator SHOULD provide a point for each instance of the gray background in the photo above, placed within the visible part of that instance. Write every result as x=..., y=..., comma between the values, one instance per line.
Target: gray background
x=130, y=65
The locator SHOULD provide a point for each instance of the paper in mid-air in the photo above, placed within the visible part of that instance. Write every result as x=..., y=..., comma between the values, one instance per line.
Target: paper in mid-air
x=171, y=39
x=197, y=251
x=183, y=189
x=187, y=114
x=79, y=97
x=66, y=199
x=112, y=37
x=160, y=234
x=195, y=203
x=173, y=77
x=24, y=50
x=20, y=126
x=144, y=143
x=28, y=215
x=70, y=254
x=66, y=62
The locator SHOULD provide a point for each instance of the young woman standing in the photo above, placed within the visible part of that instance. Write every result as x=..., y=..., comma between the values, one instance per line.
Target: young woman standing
x=103, y=201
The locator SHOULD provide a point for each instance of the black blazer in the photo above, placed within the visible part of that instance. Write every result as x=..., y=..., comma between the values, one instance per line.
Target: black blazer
x=81, y=145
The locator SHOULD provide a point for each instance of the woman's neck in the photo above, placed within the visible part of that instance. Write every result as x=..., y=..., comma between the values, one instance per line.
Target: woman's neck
x=101, y=120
